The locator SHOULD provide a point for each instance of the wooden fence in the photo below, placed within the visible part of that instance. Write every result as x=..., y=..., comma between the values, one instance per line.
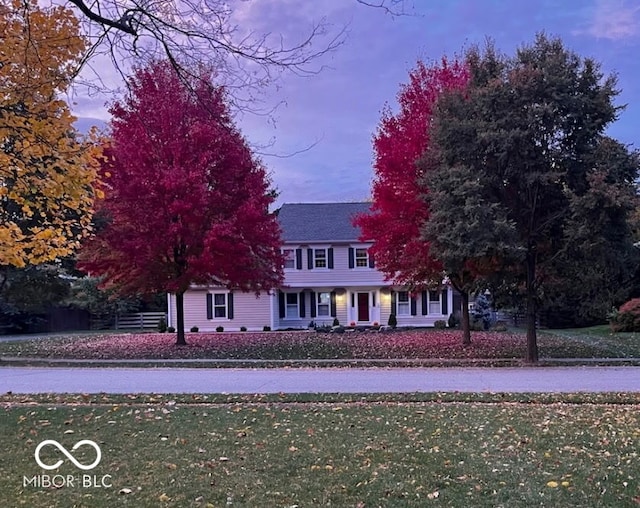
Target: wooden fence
x=139, y=320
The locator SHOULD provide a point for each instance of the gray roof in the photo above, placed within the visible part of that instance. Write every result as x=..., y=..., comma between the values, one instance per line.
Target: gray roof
x=320, y=222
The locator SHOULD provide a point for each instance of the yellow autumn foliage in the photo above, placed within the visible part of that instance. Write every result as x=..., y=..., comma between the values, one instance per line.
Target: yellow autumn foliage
x=47, y=173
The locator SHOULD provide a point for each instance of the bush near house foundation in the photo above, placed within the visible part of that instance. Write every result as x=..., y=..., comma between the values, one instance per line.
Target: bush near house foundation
x=627, y=318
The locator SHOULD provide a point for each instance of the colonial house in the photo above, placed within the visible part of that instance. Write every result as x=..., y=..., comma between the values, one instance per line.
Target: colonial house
x=328, y=273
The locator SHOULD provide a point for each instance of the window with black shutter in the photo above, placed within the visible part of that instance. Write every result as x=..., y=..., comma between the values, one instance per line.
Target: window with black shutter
x=298, y=259
x=209, y=306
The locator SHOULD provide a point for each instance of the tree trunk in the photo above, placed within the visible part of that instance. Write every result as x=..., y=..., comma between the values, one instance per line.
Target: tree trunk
x=532, y=341
x=466, y=321
x=180, y=340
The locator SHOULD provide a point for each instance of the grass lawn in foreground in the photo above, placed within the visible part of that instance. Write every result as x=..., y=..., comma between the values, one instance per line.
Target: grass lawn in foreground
x=302, y=345
x=492, y=450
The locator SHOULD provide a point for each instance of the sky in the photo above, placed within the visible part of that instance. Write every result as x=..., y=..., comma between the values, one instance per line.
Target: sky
x=317, y=144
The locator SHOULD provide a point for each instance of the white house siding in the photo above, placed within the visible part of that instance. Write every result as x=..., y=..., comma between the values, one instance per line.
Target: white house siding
x=380, y=305
x=341, y=276
x=419, y=319
x=248, y=311
x=347, y=283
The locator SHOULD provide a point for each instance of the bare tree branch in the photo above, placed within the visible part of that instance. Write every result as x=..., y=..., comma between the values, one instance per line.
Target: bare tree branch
x=122, y=24
x=189, y=33
x=391, y=7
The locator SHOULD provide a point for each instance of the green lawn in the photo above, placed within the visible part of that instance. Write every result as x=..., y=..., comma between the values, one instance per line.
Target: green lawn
x=440, y=450
x=602, y=340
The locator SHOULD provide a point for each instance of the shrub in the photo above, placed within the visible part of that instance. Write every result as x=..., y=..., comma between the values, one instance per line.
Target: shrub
x=440, y=324
x=195, y=329
x=454, y=320
x=375, y=323
x=162, y=325
x=171, y=329
x=266, y=328
x=336, y=322
x=481, y=311
x=393, y=321
x=220, y=329
x=352, y=324
x=627, y=318
x=243, y=328
x=499, y=326
x=476, y=325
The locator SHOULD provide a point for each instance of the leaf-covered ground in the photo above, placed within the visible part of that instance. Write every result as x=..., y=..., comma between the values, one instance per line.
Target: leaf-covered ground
x=411, y=344
x=161, y=451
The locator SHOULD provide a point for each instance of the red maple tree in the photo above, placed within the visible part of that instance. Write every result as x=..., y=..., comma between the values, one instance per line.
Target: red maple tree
x=186, y=202
x=399, y=210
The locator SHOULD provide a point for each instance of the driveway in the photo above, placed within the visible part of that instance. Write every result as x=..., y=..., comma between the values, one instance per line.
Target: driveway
x=325, y=380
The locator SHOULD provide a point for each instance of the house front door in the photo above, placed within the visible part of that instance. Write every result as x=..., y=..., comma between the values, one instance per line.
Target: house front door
x=363, y=306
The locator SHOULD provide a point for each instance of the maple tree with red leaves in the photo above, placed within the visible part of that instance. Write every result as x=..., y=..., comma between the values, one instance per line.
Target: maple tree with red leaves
x=399, y=210
x=186, y=202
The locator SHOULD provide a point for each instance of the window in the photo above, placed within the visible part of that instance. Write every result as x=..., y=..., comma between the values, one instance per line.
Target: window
x=434, y=302
x=219, y=305
x=289, y=258
x=404, y=308
x=362, y=258
x=320, y=258
x=292, y=306
x=324, y=304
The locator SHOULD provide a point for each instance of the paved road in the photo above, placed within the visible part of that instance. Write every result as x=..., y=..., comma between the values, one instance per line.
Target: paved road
x=326, y=380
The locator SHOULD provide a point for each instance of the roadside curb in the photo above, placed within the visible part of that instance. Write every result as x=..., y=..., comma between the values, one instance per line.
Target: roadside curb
x=337, y=362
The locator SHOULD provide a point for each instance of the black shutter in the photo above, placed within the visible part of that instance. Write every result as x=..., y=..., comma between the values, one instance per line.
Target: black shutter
x=301, y=304
x=230, y=306
x=425, y=304
x=352, y=257
x=310, y=259
x=330, y=254
x=414, y=305
x=281, y=307
x=333, y=304
x=372, y=261
x=393, y=302
x=298, y=259
x=445, y=302
x=312, y=301
x=209, y=306
x=353, y=299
